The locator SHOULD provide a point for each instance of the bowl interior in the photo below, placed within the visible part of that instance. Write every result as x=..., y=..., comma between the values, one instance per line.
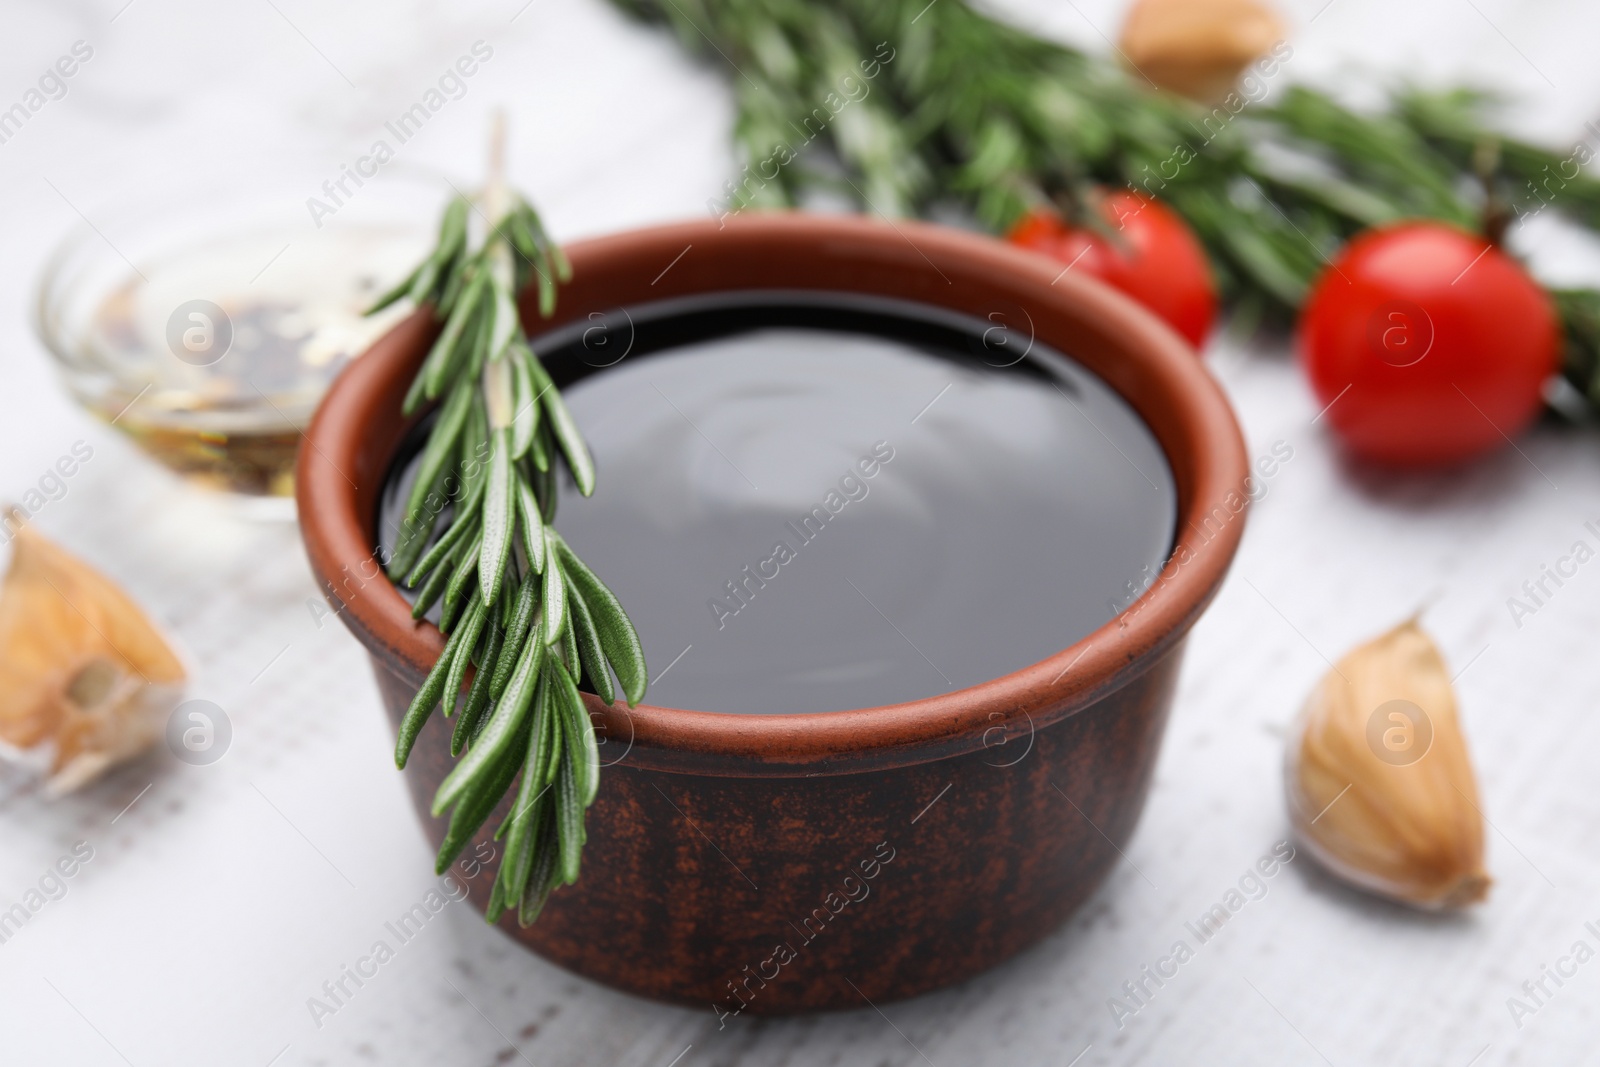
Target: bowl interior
x=817, y=501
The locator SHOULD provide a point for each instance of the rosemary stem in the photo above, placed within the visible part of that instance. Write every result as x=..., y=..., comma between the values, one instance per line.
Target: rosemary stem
x=497, y=383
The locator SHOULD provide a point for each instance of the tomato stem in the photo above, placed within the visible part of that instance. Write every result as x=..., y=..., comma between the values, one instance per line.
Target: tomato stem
x=1495, y=218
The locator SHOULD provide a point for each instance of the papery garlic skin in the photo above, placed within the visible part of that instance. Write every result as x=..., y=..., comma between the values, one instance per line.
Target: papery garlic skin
x=1380, y=787
x=1197, y=48
x=86, y=679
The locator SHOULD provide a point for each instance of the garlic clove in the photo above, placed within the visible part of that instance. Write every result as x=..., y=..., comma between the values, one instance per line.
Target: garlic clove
x=86, y=680
x=1198, y=48
x=1379, y=784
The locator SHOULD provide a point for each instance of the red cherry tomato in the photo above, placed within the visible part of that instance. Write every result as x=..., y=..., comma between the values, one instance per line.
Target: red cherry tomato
x=1429, y=345
x=1159, y=262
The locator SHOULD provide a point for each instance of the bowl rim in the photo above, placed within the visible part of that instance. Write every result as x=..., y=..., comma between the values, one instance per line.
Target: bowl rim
x=340, y=473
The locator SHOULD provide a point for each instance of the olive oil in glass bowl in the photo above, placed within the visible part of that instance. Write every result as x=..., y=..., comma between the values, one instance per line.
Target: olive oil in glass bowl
x=208, y=335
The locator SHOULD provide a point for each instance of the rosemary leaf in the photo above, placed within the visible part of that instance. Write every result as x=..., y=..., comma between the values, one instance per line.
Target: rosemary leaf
x=452, y=230
x=588, y=642
x=441, y=446
x=516, y=228
x=499, y=518
x=452, y=233
x=544, y=488
x=425, y=280
x=424, y=702
x=509, y=597
x=569, y=825
x=566, y=430
x=542, y=879
x=479, y=803
x=454, y=285
x=475, y=447
x=555, y=593
x=525, y=419
x=455, y=589
x=569, y=637
x=445, y=345
x=554, y=258
x=533, y=777
x=617, y=635
x=521, y=843
x=471, y=626
x=539, y=450
x=526, y=814
x=552, y=745
x=583, y=753
x=400, y=291
x=477, y=701
x=415, y=531
x=497, y=902
x=516, y=634
x=547, y=290
x=522, y=853
x=532, y=526
x=433, y=588
x=435, y=556
x=415, y=395
x=500, y=731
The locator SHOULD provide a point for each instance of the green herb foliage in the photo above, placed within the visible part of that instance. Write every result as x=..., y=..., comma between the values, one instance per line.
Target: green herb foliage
x=924, y=106
x=476, y=538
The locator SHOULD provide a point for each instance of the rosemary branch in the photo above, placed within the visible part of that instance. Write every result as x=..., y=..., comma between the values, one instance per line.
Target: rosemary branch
x=516, y=602
x=973, y=113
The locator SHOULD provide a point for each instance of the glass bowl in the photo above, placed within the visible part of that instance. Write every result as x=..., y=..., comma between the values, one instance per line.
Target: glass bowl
x=208, y=327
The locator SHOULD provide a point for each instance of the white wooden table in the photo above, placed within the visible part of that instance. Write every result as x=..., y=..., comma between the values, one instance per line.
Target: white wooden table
x=219, y=899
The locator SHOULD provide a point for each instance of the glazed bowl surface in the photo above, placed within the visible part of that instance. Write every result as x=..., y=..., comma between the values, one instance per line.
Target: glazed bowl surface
x=771, y=864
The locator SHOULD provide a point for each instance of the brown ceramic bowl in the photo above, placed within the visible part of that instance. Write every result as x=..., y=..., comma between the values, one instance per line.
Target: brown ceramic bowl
x=786, y=863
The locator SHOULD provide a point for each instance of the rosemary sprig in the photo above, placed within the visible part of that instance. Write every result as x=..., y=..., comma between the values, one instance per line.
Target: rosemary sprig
x=973, y=113
x=476, y=537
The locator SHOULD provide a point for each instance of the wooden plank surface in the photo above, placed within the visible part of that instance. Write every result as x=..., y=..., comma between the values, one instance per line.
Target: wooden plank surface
x=219, y=899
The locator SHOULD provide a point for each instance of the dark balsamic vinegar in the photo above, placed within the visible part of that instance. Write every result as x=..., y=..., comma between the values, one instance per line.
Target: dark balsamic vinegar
x=811, y=502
